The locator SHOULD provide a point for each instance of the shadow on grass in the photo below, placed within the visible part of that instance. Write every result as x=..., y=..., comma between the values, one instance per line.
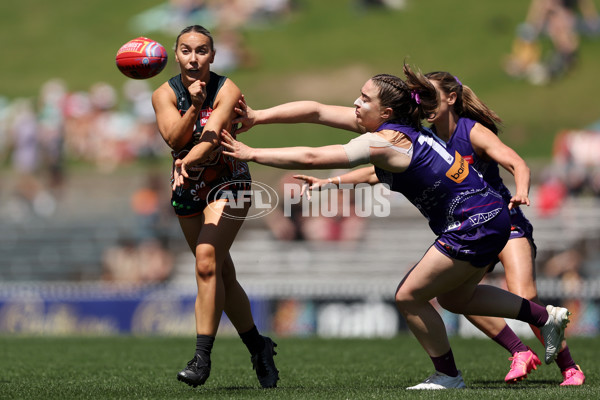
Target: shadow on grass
x=494, y=384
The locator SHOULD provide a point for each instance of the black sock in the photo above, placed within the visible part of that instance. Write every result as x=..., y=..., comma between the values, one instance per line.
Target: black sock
x=253, y=340
x=204, y=345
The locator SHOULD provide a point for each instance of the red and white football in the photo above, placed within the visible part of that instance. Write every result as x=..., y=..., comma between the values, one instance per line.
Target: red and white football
x=141, y=58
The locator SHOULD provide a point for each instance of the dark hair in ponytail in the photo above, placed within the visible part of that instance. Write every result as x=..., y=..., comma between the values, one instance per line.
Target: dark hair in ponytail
x=197, y=29
x=427, y=94
x=410, y=101
x=467, y=103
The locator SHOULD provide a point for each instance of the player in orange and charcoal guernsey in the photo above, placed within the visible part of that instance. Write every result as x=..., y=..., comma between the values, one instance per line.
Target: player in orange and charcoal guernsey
x=191, y=110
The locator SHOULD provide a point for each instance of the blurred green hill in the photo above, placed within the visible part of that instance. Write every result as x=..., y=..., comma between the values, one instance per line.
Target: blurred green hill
x=324, y=51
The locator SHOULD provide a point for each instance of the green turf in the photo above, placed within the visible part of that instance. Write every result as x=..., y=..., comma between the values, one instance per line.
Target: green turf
x=77, y=41
x=145, y=368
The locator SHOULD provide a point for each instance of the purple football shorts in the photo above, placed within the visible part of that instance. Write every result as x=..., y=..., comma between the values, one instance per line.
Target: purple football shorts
x=479, y=246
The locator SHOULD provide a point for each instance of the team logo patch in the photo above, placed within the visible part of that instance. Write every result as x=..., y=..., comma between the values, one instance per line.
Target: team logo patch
x=459, y=170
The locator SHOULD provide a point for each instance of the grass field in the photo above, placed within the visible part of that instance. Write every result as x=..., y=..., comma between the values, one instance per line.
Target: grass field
x=146, y=368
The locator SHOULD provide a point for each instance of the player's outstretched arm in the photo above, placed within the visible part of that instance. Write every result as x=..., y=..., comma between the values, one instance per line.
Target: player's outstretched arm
x=297, y=112
x=361, y=175
x=332, y=156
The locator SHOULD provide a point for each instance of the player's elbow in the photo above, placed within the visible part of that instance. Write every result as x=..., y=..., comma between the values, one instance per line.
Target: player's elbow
x=174, y=143
x=522, y=168
x=312, y=160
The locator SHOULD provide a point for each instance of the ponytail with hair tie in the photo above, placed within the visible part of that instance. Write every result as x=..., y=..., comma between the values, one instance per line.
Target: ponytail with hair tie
x=415, y=96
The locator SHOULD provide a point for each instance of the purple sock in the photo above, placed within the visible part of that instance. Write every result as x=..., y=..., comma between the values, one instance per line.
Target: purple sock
x=445, y=364
x=564, y=360
x=532, y=313
x=510, y=341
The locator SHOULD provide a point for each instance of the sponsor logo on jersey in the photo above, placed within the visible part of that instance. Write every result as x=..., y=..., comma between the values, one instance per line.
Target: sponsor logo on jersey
x=469, y=159
x=459, y=170
x=482, y=218
x=204, y=114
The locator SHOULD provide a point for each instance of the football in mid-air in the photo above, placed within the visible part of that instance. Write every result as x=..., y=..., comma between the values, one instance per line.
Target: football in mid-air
x=141, y=58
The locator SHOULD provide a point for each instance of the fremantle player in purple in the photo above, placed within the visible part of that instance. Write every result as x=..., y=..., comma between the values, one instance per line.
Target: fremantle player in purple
x=464, y=124
x=470, y=218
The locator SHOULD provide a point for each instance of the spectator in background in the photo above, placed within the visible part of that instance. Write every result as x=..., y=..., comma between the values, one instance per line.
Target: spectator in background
x=32, y=199
x=184, y=11
x=227, y=19
x=288, y=227
x=559, y=20
x=233, y=51
x=155, y=261
x=595, y=181
x=4, y=140
x=120, y=263
x=147, y=260
x=551, y=195
x=38, y=135
x=78, y=118
x=147, y=205
x=566, y=264
x=574, y=171
x=51, y=119
x=345, y=225
x=145, y=140
x=392, y=4
x=294, y=219
x=102, y=129
x=112, y=131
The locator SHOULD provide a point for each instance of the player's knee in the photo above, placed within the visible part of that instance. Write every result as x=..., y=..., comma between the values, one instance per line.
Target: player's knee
x=403, y=299
x=205, y=264
x=530, y=295
x=205, y=271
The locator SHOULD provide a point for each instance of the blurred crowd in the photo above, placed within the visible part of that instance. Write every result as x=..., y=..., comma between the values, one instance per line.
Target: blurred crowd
x=574, y=170
x=145, y=253
x=295, y=222
x=226, y=19
x=547, y=43
x=101, y=126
